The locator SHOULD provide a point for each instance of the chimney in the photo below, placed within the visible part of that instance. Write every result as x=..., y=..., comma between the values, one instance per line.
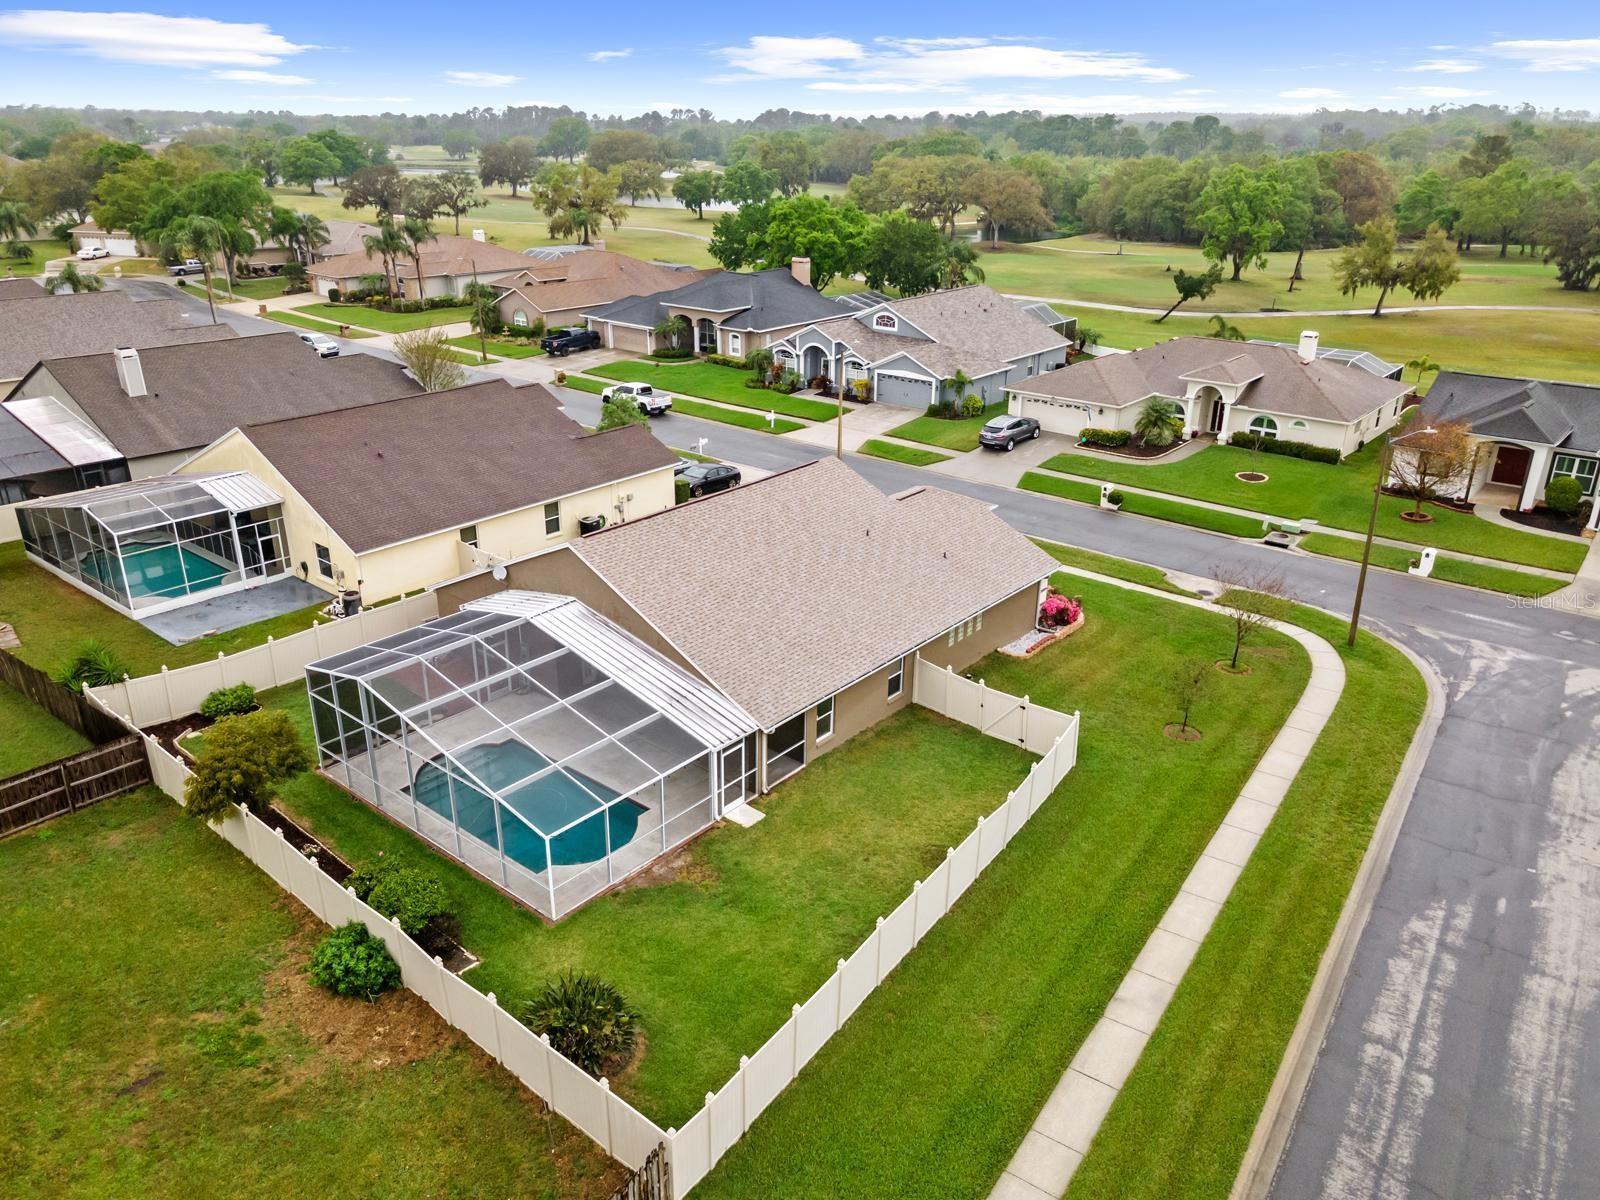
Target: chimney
x=477, y=236
x=800, y=268
x=130, y=372
x=1308, y=346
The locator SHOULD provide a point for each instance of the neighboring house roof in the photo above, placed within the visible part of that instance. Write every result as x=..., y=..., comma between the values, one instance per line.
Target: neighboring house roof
x=22, y=289
x=755, y=300
x=868, y=577
x=387, y=473
x=447, y=255
x=597, y=277
x=1319, y=390
x=873, y=346
x=197, y=393
x=1523, y=410
x=345, y=237
x=91, y=323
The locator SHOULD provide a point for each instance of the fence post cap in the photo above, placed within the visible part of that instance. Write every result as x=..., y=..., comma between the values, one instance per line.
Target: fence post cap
x=949, y=851
x=605, y=1083
x=493, y=1001
x=744, y=1061
x=163, y=668
x=545, y=1038
x=794, y=1010
x=672, y=1130
x=880, y=923
x=916, y=886
x=278, y=829
x=437, y=960
x=221, y=654
x=710, y=1096
x=841, y=964
x=349, y=889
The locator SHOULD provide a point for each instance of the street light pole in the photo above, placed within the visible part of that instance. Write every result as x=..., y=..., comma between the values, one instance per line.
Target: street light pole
x=1384, y=458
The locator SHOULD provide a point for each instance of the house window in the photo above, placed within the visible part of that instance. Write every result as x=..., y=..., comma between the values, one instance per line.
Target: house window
x=519, y=319
x=1264, y=427
x=1297, y=425
x=552, y=518
x=897, y=679
x=825, y=720
x=1583, y=470
x=469, y=535
x=324, y=562
x=735, y=343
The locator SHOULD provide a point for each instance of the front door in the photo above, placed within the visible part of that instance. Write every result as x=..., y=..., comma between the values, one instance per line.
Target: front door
x=1219, y=410
x=1511, y=465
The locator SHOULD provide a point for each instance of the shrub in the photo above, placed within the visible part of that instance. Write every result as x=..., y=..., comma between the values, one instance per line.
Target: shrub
x=972, y=406
x=1289, y=449
x=560, y=378
x=228, y=702
x=1563, y=494
x=351, y=961
x=862, y=389
x=1112, y=438
x=789, y=383
x=680, y=490
x=413, y=900
x=94, y=663
x=585, y=1018
x=335, y=295
x=1058, y=611
x=241, y=760
x=943, y=409
x=672, y=354
x=727, y=360
x=1114, y=497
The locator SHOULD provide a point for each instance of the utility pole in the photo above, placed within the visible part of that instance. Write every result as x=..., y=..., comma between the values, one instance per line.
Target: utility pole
x=1384, y=457
x=483, y=342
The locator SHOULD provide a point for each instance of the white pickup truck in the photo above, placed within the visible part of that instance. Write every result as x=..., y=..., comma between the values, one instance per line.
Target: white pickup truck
x=189, y=266
x=651, y=402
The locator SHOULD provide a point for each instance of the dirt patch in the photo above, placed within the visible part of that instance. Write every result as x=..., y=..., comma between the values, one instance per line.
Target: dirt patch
x=683, y=865
x=1179, y=734
x=1228, y=668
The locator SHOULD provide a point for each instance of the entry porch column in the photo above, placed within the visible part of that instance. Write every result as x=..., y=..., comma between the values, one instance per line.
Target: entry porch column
x=1533, y=481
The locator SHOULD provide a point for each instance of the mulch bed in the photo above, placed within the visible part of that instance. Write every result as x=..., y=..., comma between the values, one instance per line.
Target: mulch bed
x=1133, y=449
x=1179, y=734
x=1250, y=477
x=1543, y=518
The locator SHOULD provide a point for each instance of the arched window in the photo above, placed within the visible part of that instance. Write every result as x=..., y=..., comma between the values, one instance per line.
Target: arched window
x=519, y=319
x=1264, y=427
x=1297, y=425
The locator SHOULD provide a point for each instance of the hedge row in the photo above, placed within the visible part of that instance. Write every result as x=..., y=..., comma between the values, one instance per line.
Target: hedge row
x=1305, y=450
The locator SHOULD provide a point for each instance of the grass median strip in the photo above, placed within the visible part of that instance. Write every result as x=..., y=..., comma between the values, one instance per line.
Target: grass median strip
x=743, y=418
x=1453, y=570
x=311, y=323
x=710, y=381
x=909, y=455
x=501, y=349
x=385, y=322
x=1105, y=564
x=1180, y=1125
x=1159, y=507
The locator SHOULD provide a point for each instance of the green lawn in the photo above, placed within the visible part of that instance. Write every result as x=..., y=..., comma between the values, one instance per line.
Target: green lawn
x=745, y=419
x=960, y=435
x=44, y=250
x=311, y=323
x=1454, y=570
x=1146, y=506
x=1117, y=568
x=383, y=322
x=264, y=288
x=52, y=618
x=753, y=920
x=32, y=737
x=711, y=381
x=1340, y=496
x=502, y=349
x=929, y=1088
x=582, y=383
x=1180, y=1125
x=902, y=454
x=158, y=1038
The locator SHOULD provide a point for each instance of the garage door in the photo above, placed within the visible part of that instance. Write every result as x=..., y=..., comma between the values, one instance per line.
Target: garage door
x=907, y=391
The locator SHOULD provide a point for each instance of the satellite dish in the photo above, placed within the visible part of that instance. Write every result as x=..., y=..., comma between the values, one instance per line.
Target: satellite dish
x=499, y=574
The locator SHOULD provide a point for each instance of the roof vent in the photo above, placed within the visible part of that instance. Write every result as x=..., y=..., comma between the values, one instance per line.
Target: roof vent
x=1308, y=346
x=130, y=372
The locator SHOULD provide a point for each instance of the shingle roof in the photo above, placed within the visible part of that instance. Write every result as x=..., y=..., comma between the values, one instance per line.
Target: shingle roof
x=448, y=255
x=941, y=359
x=1525, y=410
x=819, y=579
x=91, y=323
x=979, y=319
x=386, y=473
x=1320, y=390
x=345, y=237
x=771, y=299
x=197, y=393
x=22, y=289
x=598, y=277
x=1239, y=369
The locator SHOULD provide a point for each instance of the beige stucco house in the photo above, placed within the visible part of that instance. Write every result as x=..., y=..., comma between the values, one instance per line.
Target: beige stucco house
x=449, y=264
x=560, y=283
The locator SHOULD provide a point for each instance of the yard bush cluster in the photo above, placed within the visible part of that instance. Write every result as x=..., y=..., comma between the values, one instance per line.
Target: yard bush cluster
x=1059, y=611
x=951, y=409
x=680, y=490
x=1563, y=494
x=93, y=664
x=1289, y=449
x=672, y=353
x=351, y=961
x=729, y=360
x=1110, y=438
x=586, y=1019
x=228, y=702
x=242, y=758
x=411, y=899
x=787, y=382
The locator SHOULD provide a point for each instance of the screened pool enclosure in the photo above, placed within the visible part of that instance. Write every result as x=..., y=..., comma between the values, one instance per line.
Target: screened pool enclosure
x=156, y=544
x=533, y=740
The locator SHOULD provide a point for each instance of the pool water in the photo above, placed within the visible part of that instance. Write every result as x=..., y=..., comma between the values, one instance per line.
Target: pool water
x=547, y=804
x=156, y=570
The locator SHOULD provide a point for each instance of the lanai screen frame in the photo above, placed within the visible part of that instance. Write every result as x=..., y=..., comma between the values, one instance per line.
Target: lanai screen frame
x=489, y=679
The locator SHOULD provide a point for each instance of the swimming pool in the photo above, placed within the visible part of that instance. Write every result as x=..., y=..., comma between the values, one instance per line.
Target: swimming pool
x=155, y=570
x=548, y=804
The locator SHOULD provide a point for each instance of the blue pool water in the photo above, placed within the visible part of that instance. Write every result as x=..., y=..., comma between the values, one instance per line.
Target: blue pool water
x=156, y=571
x=547, y=804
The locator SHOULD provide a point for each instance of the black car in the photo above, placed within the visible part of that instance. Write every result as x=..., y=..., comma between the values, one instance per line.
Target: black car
x=705, y=478
x=561, y=342
x=1003, y=433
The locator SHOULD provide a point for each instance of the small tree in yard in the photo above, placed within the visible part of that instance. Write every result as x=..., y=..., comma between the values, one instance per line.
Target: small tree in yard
x=1252, y=599
x=243, y=758
x=675, y=331
x=1159, y=422
x=429, y=356
x=1186, y=685
x=617, y=411
x=586, y=1019
x=1430, y=459
x=1193, y=285
x=1563, y=494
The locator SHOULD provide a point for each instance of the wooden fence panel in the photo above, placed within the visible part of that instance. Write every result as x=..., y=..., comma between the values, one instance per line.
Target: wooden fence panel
x=65, y=705
x=71, y=783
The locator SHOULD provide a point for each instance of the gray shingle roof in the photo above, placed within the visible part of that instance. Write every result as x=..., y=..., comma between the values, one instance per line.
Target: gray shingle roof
x=91, y=323
x=819, y=579
x=772, y=299
x=979, y=319
x=1525, y=410
x=22, y=289
x=197, y=393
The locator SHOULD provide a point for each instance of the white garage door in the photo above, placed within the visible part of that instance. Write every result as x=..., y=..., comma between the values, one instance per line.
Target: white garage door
x=907, y=391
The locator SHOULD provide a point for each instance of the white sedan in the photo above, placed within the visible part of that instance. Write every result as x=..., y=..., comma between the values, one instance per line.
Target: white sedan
x=651, y=402
x=91, y=252
x=322, y=344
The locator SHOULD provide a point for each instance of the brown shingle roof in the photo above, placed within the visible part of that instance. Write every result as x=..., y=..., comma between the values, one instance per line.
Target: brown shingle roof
x=91, y=323
x=874, y=347
x=449, y=255
x=387, y=473
x=593, y=277
x=197, y=393
x=980, y=319
x=21, y=289
x=1321, y=390
x=784, y=591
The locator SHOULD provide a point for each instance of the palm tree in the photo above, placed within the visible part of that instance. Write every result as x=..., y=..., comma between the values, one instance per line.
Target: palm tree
x=237, y=241
x=388, y=244
x=1159, y=423
x=417, y=233
x=201, y=238
x=1422, y=365
x=15, y=223
x=484, y=316
x=1221, y=329
x=312, y=234
x=961, y=263
x=73, y=280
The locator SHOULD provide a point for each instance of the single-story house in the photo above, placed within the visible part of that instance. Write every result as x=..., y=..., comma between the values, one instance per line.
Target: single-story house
x=90, y=236
x=135, y=412
x=906, y=349
x=344, y=237
x=1532, y=431
x=390, y=497
x=32, y=329
x=560, y=288
x=449, y=264
x=730, y=312
x=1225, y=389
x=22, y=289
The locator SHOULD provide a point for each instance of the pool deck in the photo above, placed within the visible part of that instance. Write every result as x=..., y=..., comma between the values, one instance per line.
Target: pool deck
x=222, y=613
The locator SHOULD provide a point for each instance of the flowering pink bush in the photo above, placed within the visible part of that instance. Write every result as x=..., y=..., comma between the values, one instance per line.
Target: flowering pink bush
x=1058, y=610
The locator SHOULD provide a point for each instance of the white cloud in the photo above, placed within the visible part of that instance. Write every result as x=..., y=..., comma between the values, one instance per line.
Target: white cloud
x=1439, y=93
x=325, y=99
x=275, y=78
x=1311, y=93
x=1447, y=66
x=885, y=86
x=789, y=57
x=1007, y=101
x=1195, y=92
x=144, y=37
x=483, y=79
x=1551, y=54
x=607, y=55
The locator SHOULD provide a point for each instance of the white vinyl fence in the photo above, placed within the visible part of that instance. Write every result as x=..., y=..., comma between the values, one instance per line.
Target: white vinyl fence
x=173, y=693
x=625, y=1133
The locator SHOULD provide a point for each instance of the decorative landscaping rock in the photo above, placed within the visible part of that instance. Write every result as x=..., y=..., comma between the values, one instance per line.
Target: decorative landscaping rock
x=1036, y=640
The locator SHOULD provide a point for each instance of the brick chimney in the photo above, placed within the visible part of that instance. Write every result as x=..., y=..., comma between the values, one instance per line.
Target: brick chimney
x=1308, y=346
x=800, y=268
x=130, y=372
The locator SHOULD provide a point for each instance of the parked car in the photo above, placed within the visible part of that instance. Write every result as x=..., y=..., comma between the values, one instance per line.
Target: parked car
x=561, y=342
x=189, y=266
x=322, y=344
x=705, y=478
x=651, y=402
x=1003, y=433
x=89, y=252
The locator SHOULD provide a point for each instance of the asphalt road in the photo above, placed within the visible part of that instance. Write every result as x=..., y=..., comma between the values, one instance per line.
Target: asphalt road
x=1464, y=1055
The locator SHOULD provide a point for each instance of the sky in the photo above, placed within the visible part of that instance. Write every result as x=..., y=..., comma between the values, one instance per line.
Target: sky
x=837, y=56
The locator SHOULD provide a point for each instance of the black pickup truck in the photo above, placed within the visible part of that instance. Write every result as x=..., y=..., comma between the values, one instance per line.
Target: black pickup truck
x=560, y=342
